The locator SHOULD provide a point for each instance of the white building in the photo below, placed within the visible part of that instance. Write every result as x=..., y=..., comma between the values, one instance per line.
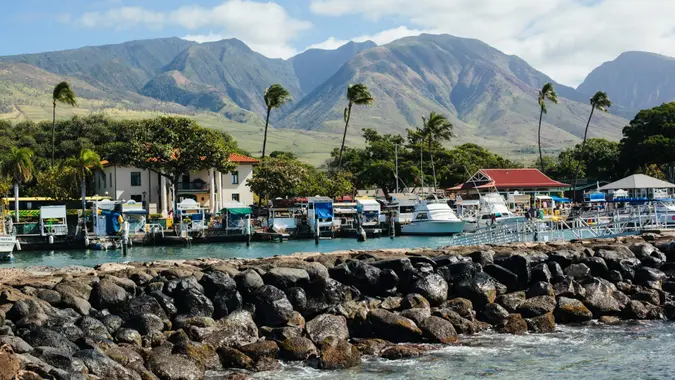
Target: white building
x=208, y=187
x=640, y=186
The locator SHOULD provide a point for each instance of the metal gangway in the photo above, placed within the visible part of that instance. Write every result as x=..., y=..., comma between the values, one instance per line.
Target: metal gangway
x=595, y=225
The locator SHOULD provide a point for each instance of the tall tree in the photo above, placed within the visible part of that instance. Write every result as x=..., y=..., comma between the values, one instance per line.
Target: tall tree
x=600, y=101
x=356, y=94
x=546, y=92
x=435, y=129
x=62, y=94
x=18, y=165
x=275, y=97
x=84, y=164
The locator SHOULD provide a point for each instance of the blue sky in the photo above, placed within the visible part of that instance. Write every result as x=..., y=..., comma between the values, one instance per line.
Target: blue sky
x=563, y=38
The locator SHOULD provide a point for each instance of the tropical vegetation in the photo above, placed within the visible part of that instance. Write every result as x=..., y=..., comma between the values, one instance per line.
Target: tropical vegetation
x=275, y=96
x=356, y=94
x=62, y=94
x=18, y=167
x=546, y=93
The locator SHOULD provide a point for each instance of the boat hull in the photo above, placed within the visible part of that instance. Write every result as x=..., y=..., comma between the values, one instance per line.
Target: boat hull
x=433, y=228
x=7, y=244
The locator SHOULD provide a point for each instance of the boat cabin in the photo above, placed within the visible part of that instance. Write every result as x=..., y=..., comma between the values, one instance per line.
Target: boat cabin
x=234, y=218
x=404, y=206
x=53, y=221
x=369, y=209
x=345, y=214
x=191, y=216
x=320, y=215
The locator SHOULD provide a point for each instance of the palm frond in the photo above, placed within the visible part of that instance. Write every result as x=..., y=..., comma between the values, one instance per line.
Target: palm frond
x=601, y=101
x=359, y=94
x=276, y=96
x=436, y=127
x=64, y=94
x=18, y=165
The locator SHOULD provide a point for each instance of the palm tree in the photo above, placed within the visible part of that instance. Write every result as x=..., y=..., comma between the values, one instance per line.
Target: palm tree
x=547, y=92
x=84, y=164
x=62, y=94
x=435, y=128
x=600, y=101
x=18, y=166
x=275, y=97
x=356, y=94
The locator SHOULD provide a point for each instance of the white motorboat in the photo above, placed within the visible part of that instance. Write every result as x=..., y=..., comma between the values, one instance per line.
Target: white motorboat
x=7, y=244
x=433, y=218
x=479, y=214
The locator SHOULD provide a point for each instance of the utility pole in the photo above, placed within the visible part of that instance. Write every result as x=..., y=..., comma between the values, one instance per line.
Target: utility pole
x=396, y=155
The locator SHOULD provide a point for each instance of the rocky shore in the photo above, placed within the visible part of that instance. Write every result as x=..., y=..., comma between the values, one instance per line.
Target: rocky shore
x=182, y=319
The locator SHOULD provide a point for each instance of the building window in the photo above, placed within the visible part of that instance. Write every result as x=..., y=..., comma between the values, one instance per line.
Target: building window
x=235, y=178
x=137, y=198
x=111, y=181
x=135, y=178
x=235, y=197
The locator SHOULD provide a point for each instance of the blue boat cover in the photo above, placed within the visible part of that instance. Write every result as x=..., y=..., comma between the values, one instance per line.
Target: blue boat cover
x=324, y=210
x=597, y=197
x=560, y=200
x=112, y=222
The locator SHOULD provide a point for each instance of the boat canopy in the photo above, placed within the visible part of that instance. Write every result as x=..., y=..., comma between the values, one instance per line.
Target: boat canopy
x=595, y=197
x=237, y=211
x=561, y=200
x=324, y=210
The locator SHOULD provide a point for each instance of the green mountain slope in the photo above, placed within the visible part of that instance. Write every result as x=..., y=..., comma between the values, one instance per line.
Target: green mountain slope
x=635, y=80
x=490, y=96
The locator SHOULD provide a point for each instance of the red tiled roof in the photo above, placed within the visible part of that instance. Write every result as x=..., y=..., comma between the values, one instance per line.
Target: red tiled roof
x=104, y=162
x=241, y=159
x=513, y=179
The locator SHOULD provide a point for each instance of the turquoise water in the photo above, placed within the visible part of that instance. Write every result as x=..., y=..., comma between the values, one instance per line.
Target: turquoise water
x=217, y=250
x=643, y=351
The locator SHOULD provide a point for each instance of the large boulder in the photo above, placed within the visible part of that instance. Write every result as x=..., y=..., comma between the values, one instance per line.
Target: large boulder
x=39, y=336
x=597, y=265
x=417, y=315
x=174, y=287
x=297, y=348
x=544, y=323
x=215, y=282
x=462, y=325
x=35, y=312
x=458, y=272
x=272, y=307
x=520, y=265
x=174, y=367
x=462, y=306
x=392, y=327
x=602, y=298
x=248, y=281
x=93, y=328
x=260, y=349
x=536, y=306
x=513, y=324
x=504, y=276
x=284, y=278
x=194, y=303
x=570, y=310
x=237, y=328
x=439, y=330
x=146, y=324
x=511, y=301
x=144, y=304
x=647, y=295
x=338, y=354
x=568, y=287
x=325, y=293
x=226, y=302
x=540, y=289
x=363, y=276
x=495, y=314
x=326, y=325
x=541, y=273
x=74, y=288
x=18, y=345
x=80, y=305
x=50, y=296
x=480, y=290
x=649, y=277
x=233, y=358
x=415, y=301
x=103, y=367
x=432, y=287
x=578, y=271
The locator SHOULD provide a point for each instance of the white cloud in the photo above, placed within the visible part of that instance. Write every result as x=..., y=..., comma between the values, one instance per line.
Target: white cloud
x=566, y=39
x=265, y=27
x=381, y=38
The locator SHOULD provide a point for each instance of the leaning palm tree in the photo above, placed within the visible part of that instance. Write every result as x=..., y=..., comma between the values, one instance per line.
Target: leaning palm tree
x=18, y=166
x=356, y=94
x=275, y=97
x=62, y=94
x=84, y=164
x=547, y=92
x=435, y=128
x=600, y=101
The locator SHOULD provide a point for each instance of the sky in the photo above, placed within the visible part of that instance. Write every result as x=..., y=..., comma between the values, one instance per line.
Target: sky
x=565, y=39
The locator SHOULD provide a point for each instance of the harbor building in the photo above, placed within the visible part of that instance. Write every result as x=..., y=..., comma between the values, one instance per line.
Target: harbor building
x=639, y=186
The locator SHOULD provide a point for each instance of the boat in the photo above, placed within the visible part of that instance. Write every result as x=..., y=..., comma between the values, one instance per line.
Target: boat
x=8, y=241
x=320, y=216
x=489, y=210
x=433, y=218
x=403, y=204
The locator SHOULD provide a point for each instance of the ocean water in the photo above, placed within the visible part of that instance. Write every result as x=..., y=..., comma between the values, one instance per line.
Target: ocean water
x=60, y=258
x=633, y=351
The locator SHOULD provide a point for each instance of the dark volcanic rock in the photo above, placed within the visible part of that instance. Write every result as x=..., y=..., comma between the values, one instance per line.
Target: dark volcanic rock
x=40, y=336
x=192, y=302
x=556, y=271
x=432, y=287
x=233, y=358
x=324, y=293
x=248, y=281
x=567, y=287
x=107, y=295
x=520, y=265
x=174, y=367
x=272, y=308
x=511, y=301
x=602, y=298
x=165, y=302
x=326, y=325
x=128, y=336
x=18, y=345
x=513, y=324
x=403, y=351
x=144, y=304
x=462, y=306
x=51, y=296
x=534, y=307
x=177, y=286
x=93, y=328
x=578, y=271
x=483, y=257
x=215, y=282
x=462, y=325
x=237, y=328
x=416, y=315
x=597, y=265
x=146, y=324
x=541, y=273
x=284, y=278
x=480, y=290
x=540, y=289
x=648, y=295
x=298, y=348
x=570, y=310
x=504, y=276
x=226, y=302
x=414, y=301
x=112, y=322
x=392, y=327
x=338, y=354
x=458, y=272
x=104, y=367
x=363, y=276
x=297, y=297
x=495, y=314
x=439, y=330
x=544, y=323
x=260, y=349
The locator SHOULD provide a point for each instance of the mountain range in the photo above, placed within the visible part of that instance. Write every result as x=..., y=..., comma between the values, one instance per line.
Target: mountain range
x=490, y=97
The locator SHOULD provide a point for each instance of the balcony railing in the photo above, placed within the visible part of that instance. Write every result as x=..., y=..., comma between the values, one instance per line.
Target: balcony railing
x=192, y=186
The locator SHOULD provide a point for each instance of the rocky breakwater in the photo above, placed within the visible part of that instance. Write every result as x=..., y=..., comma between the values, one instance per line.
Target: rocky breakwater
x=179, y=320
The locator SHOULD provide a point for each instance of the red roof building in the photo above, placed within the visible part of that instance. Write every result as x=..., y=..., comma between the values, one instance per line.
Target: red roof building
x=510, y=180
x=241, y=159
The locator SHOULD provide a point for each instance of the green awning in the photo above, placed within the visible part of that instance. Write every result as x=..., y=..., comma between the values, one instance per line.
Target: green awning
x=237, y=211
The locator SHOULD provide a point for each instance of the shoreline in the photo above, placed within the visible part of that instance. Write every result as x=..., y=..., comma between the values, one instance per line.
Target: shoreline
x=172, y=318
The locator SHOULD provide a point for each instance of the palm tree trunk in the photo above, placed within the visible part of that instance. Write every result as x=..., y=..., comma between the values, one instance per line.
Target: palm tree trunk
x=433, y=168
x=83, y=187
x=344, y=135
x=541, y=156
x=53, y=132
x=583, y=147
x=267, y=122
x=16, y=202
